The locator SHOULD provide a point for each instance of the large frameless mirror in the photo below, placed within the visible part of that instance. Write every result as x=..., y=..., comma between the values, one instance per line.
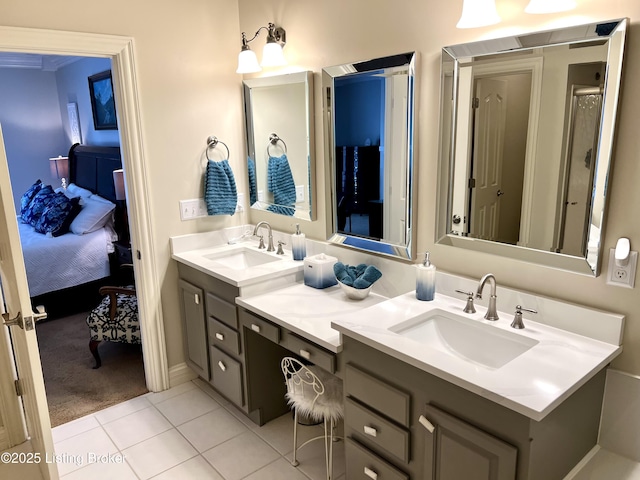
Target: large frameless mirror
x=279, y=127
x=527, y=129
x=369, y=115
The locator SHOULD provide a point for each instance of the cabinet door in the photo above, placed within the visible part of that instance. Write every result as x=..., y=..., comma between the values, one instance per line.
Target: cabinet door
x=194, y=322
x=456, y=450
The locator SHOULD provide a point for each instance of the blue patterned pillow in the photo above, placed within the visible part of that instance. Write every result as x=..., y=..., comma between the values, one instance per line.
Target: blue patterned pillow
x=37, y=205
x=27, y=196
x=55, y=217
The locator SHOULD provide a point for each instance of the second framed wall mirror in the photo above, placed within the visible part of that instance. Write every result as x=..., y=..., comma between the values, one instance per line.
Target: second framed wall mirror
x=279, y=128
x=527, y=128
x=369, y=115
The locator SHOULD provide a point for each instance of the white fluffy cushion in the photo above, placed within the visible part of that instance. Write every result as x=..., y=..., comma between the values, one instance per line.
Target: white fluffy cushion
x=328, y=405
x=93, y=216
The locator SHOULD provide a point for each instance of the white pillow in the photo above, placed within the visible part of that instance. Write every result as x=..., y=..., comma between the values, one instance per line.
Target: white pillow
x=75, y=191
x=98, y=198
x=93, y=216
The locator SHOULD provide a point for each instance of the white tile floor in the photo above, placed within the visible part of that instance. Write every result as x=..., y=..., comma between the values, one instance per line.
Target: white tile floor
x=191, y=433
x=187, y=432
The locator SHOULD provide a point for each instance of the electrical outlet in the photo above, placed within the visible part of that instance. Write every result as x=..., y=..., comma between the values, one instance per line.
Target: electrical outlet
x=190, y=209
x=299, y=193
x=622, y=276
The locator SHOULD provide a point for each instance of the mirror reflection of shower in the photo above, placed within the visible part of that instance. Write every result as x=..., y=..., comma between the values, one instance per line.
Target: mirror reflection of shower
x=581, y=140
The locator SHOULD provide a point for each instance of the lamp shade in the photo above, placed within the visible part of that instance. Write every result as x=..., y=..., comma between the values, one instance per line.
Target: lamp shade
x=272, y=55
x=118, y=183
x=59, y=167
x=247, y=62
x=478, y=13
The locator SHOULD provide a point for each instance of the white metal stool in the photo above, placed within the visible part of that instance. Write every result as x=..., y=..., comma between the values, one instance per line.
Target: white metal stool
x=317, y=394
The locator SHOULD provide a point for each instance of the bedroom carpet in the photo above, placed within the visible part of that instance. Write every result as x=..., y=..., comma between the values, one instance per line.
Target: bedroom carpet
x=74, y=388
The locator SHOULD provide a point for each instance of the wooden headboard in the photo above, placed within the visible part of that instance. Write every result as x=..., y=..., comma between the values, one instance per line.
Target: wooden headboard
x=92, y=168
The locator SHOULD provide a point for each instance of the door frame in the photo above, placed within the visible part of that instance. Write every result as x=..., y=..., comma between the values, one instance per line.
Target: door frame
x=534, y=66
x=120, y=49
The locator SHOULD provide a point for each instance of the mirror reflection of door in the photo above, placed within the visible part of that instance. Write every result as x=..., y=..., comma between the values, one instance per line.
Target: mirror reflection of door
x=501, y=113
x=582, y=132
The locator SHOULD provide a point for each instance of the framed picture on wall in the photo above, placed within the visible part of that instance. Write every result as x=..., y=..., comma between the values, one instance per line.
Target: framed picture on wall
x=103, y=104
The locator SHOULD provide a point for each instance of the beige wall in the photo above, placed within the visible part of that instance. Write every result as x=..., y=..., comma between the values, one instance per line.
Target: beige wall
x=185, y=58
x=334, y=32
x=185, y=55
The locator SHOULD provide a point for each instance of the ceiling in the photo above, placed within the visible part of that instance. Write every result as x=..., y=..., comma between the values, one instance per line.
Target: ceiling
x=46, y=63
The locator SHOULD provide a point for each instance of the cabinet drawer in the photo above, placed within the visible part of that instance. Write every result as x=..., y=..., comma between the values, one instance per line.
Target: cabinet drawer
x=377, y=394
x=365, y=465
x=226, y=376
x=311, y=352
x=263, y=327
x=371, y=429
x=223, y=336
x=222, y=310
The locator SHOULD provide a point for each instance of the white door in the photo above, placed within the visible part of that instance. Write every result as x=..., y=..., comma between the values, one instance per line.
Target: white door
x=489, y=128
x=23, y=339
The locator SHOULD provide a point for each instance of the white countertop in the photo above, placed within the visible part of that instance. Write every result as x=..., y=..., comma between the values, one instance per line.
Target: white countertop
x=532, y=384
x=283, y=264
x=309, y=311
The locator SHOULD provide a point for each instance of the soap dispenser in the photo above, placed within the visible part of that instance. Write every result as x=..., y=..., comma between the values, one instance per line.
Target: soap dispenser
x=426, y=280
x=298, y=245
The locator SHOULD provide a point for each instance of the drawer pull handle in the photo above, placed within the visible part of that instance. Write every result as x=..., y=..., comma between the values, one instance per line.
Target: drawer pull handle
x=370, y=473
x=196, y=299
x=220, y=337
x=372, y=432
x=255, y=328
x=305, y=354
x=426, y=423
x=222, y=366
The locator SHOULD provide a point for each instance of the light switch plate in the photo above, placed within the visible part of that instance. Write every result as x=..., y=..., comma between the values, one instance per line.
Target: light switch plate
x=622, y=276
x=193, y=208
x=299, y=193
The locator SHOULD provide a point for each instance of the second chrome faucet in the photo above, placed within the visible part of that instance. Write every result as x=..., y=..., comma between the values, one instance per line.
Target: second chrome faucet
x=492, y=312
x=270, y=247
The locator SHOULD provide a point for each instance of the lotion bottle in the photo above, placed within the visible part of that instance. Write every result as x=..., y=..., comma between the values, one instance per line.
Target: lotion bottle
x=426, y=280
x=298, y=245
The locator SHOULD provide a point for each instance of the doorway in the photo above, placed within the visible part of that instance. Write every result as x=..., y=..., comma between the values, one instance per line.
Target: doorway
x=120, y=50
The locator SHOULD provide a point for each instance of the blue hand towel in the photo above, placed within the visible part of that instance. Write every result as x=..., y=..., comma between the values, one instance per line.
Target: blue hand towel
x=253, y=185
x=360, y=276
x=280, y=181
x=370, y=275
x=220, y=194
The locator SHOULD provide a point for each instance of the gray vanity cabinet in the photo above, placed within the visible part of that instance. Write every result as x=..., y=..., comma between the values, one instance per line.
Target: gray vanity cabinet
x=456, y=449
x=401, y=422
x=195, y=334
x=212, y=340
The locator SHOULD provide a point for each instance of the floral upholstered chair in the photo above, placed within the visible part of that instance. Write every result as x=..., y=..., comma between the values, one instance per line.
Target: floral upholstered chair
x=115, y=319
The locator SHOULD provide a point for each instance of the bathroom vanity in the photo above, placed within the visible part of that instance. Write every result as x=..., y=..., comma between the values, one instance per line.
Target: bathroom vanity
x=429, y=391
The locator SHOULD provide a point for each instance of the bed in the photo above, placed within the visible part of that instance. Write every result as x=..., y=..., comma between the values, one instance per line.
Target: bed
x=69, y=260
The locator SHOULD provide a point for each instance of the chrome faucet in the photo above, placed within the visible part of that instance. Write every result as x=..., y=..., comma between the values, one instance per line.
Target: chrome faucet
x=492, y=313
x=270, y=247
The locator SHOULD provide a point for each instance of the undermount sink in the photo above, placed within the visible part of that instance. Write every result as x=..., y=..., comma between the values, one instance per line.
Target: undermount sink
x=468, y=339
x=241, y=259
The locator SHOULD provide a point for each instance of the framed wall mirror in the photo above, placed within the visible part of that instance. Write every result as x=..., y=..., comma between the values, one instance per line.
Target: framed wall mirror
x=279, y=127
x=527, y=129
x=369, y=127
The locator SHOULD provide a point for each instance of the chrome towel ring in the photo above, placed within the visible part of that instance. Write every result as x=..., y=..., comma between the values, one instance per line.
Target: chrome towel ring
x=212, y=142
x=273, y=141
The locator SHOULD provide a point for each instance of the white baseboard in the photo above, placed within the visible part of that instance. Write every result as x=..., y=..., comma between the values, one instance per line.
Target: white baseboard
x=180, y=373
x=587, y=458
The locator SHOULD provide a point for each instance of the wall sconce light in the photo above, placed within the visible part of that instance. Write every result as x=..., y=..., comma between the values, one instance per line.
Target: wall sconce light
x=478, y=13
x=272, y=55
x=549, y=6
x=59, y=168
